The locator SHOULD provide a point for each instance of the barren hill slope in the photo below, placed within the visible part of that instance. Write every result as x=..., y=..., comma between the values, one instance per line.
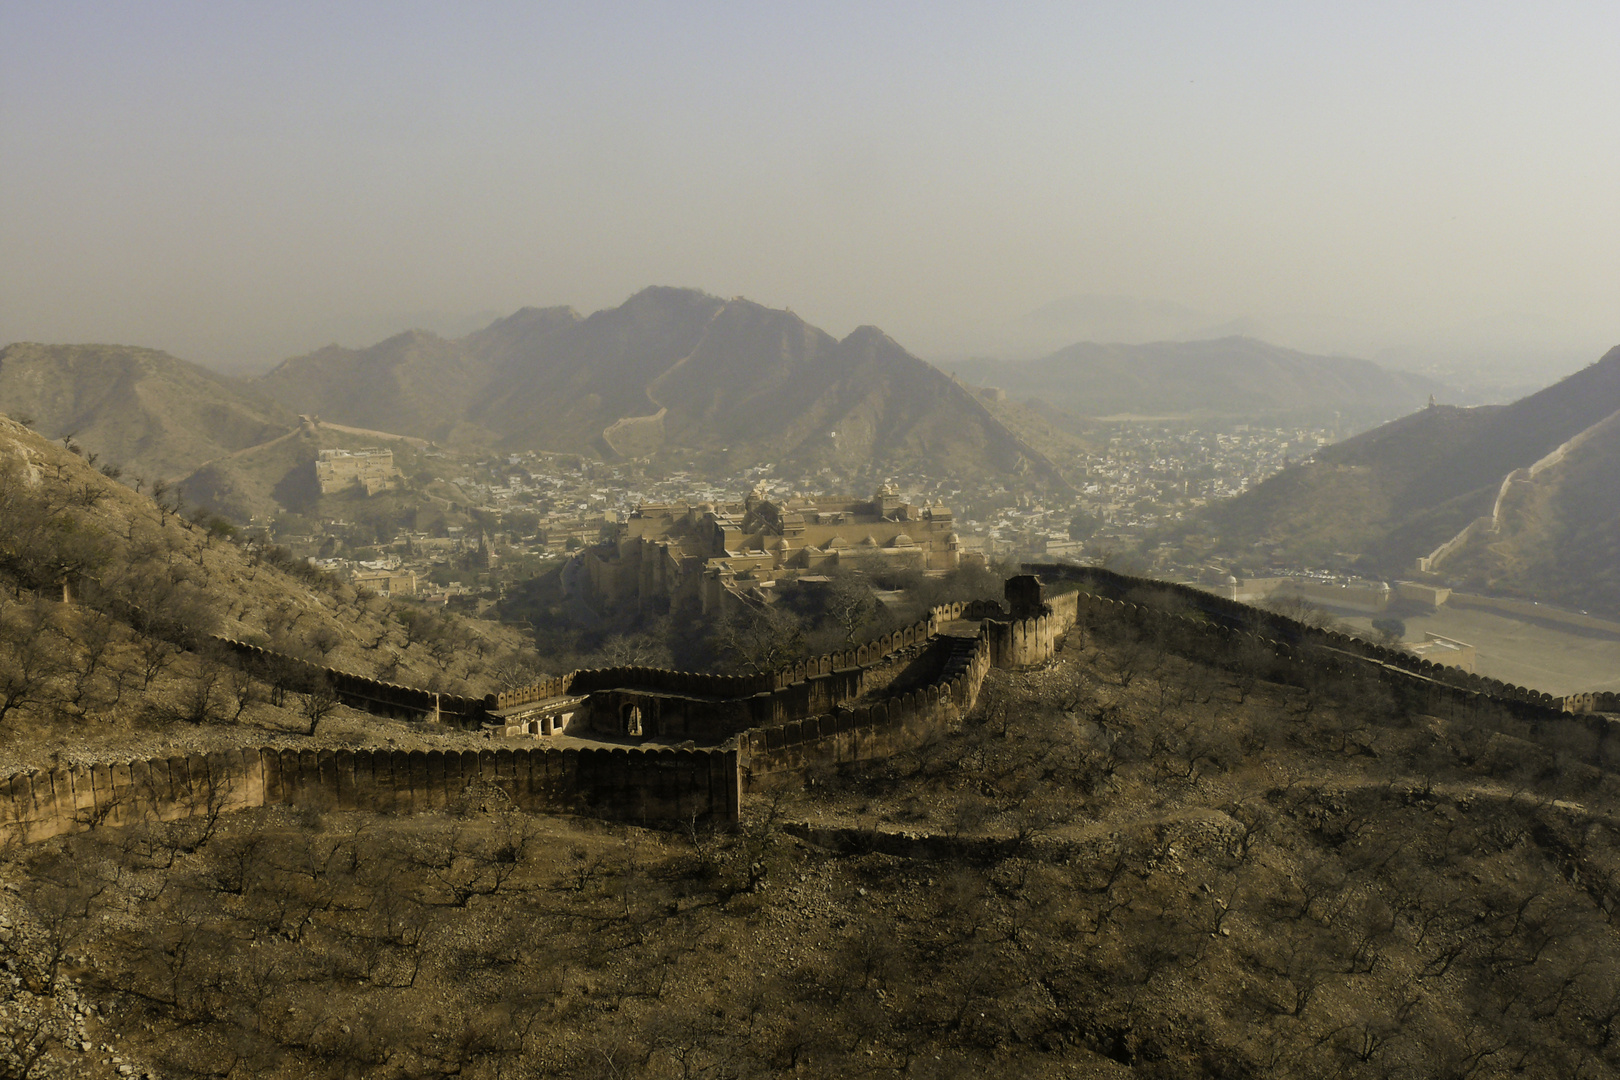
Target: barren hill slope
x=127, y=663
x=416, y=383
x=1136, y=861
x=1555, y=535
x=1399, y=491
x=143, y=410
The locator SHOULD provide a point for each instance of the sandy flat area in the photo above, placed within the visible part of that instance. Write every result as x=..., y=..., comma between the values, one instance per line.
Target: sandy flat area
x=1525, y=654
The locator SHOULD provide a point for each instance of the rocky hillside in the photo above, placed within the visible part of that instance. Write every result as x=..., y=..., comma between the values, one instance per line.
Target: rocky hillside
x=669, y=371
x=1229, y=377
x=1554, y=535
x=1400, y=491
x=1132, y=863
x=127, y=665
x=146, y=411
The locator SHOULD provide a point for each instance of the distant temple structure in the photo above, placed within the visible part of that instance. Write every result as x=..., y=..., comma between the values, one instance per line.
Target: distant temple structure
x=734, y=552
x=370, y=468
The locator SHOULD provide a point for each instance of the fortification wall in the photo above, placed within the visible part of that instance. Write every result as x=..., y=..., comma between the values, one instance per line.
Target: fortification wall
x=1316, y=644
x=1592, y=703
x=357, y=691
x=805, y=688
x=1415, y=685
x=785, y=754
x=635, y=785
x=1025, y=643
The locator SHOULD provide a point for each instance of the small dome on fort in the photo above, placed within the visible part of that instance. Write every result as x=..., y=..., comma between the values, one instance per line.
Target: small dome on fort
x=836, y=542
x=902, y=540
x=869, y=541
x=952, y=538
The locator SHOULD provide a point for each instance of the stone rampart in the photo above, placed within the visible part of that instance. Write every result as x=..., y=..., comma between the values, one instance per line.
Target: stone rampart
x=700, y=705
x=785, y=754
x=1592, y=703
x=357, y=691
x=1021, y=643
x=551, y=687
x=1415, y=684
x=656, y=785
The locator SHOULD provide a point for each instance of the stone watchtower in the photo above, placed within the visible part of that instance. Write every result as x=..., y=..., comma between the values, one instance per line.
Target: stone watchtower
x=1025, y=596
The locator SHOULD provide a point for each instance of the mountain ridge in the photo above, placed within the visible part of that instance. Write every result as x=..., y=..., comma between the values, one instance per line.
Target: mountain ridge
x=670, y=369
x=1228, y=376
x=1400, y=491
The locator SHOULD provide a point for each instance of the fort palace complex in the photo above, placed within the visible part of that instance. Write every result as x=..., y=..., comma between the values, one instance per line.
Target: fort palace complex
x=721, y=554
x=371, y=469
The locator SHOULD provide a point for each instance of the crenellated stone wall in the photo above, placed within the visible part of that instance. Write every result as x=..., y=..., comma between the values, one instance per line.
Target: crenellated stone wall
x=786, y=754
x=357, y=691
x=1592, y=703
x=1299, y=654
x=649, y=786
x=1035, y=632
x=787, y=724
x=689, y=704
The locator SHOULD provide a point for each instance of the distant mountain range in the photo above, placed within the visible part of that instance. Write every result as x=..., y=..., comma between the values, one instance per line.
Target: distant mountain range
x=1529, y=492
x=1236, y=377
x=670, y=371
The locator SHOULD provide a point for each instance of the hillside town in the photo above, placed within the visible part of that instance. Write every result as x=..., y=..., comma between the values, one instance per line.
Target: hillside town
x=477, y=525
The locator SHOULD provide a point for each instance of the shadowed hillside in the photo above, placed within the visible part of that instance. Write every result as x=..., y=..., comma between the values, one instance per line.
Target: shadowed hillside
x=132, y=661
x=1557, y=535
x=1145, y=858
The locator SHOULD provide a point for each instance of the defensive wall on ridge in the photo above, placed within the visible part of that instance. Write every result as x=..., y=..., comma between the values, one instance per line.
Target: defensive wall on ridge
x=783, y=754
x=1232, y=635
x=688, y=704
x=630, y=784
x=803, y=730
x=357, y=691
x=648, y=785
x=1031, y=640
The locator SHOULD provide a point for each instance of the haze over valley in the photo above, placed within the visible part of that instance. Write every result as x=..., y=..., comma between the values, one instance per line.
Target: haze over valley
x=721, y=542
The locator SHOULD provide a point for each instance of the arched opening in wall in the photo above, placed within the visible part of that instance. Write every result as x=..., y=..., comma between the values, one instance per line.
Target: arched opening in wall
x=630, y=718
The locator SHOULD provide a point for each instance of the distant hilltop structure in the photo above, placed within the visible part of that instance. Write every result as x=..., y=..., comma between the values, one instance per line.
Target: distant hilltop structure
x=735, y=552
x=371, y=468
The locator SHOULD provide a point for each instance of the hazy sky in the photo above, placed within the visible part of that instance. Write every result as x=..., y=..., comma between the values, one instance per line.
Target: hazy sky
x=236, y=181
